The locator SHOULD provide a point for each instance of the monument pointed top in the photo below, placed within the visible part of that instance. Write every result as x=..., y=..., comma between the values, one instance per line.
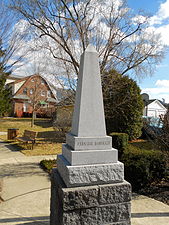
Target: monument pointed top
x=88, y=116
x=90, y=48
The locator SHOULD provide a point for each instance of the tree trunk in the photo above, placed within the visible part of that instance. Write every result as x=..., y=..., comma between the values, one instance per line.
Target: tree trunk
x=33, y=118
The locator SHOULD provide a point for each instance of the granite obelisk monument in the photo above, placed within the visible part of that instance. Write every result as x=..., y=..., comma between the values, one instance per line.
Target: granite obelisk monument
x=88, y=186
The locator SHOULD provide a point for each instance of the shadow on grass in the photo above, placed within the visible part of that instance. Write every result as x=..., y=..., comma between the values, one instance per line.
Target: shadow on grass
x=10, y=145
x=43, y=123
x=13, y=147
x=51, y=136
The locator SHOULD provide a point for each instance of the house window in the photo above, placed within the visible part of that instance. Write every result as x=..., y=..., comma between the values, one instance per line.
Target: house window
x=44, y=106
x=25, y=107
x=43, y=93
x=31, y=91
x=49, y=94
x=25, y=91
x=42, y=82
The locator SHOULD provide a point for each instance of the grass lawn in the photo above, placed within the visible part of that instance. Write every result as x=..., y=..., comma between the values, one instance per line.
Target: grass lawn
x=144, y=144
x=47, y=141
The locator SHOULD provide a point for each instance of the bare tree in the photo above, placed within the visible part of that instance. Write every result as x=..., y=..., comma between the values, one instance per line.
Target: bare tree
x=164, y=137
x=65, y=28
x=11, y=38
x=36, y=96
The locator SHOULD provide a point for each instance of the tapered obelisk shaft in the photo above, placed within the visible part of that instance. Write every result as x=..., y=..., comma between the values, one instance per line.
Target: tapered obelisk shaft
x=88, y=117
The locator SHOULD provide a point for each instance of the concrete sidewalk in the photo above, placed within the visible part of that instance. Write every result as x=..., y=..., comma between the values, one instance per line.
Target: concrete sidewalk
x=26, y=194
x=147, y=211
x=26, y=188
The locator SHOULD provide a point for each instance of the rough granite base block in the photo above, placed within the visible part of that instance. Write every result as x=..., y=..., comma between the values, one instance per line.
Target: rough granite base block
x=107, y=204
x=89, y=174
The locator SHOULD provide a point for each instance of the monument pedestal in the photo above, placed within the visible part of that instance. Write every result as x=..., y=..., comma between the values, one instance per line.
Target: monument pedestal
x=88, y=186
x=89, y=205
x=94, y=174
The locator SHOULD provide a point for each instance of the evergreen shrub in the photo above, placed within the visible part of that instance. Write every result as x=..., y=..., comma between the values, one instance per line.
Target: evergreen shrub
x=142, y=167
x=123, y=104
x=48, y=165
x=119, y=141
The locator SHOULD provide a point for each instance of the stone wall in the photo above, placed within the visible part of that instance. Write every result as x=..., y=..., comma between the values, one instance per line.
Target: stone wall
x=89, y=205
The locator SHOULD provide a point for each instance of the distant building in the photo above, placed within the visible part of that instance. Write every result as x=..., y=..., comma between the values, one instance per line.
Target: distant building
x=153, y=107
x=31, y=90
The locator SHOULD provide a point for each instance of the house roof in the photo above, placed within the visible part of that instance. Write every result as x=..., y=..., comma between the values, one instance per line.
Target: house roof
x=50, y=86
x=27, y=77
x=19, y=80
x=162, y=104
x=61, y=95
x=51, y=100
x=153, y=100
x=14, y=77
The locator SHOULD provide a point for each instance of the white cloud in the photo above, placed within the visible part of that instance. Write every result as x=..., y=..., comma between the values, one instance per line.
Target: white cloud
x=21, y=26
x=140, y=19
x=164, y=32
x=163, y=83
x=160, y=91
x=162, y=14
x=159, y=22
x=155, y=91
x=158, y=25
x=164, y=10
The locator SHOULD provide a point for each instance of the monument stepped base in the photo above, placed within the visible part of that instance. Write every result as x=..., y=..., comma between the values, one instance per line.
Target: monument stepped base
x=85, y=175
x=89, y=205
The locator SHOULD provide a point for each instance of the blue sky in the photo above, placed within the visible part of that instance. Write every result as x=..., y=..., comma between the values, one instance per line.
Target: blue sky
x=147, y=5
x=157, y=85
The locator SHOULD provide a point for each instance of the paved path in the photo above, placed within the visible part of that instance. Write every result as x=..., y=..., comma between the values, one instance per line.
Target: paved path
x=147, y=211
x=26, y=188
x=26, y=194
x=3, y=133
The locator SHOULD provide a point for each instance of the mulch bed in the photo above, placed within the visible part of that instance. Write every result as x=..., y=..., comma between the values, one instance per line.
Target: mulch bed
x=158, y=191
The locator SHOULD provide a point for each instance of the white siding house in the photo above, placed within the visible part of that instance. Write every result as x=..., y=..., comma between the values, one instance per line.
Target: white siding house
x=154, y=108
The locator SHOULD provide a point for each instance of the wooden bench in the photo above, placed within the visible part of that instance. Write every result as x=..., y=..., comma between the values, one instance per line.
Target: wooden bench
x=28, y=136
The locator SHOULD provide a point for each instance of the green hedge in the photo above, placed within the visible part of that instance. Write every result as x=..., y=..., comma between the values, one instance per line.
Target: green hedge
x=143, y=167
x=120, y=142
x=48, y=165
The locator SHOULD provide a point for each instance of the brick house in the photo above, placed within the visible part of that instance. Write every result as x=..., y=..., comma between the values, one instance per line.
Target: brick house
x=32, y=92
